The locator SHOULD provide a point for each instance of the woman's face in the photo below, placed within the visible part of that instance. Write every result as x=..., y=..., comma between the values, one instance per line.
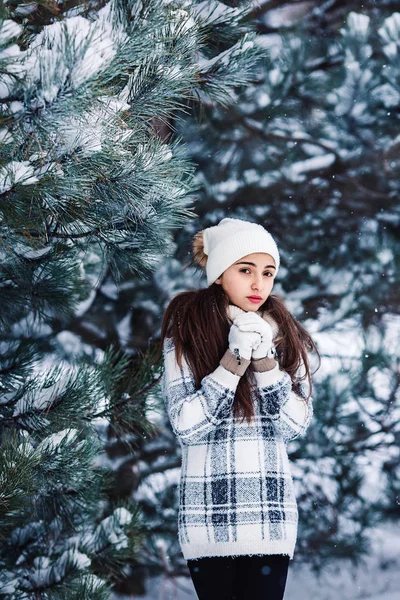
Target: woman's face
x=248, y=282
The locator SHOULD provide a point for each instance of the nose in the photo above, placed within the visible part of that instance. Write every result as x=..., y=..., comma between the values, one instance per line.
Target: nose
x=257, y=283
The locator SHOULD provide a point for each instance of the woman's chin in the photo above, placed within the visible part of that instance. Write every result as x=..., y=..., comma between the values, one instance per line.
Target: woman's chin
x=248, y=306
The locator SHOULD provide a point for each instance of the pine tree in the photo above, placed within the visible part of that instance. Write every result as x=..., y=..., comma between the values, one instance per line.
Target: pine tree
x=89, y=194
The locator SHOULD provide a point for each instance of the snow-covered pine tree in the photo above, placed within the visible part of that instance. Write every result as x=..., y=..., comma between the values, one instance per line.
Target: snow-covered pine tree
x=113, y=313
x=311, y=151
x=89, y=193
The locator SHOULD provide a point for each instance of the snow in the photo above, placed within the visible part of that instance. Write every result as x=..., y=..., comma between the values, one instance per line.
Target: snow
x=262, y=98
x=29, y=252
x=64, y=56
x=389, y=596
x=40, y=397
x=391, y=331
x=10, y=52
x=16, y=172
x=212, y=11
x=11, y=586
x=109, y=289
x=46, y=573
x=23, y=172
x=358, y=25
x=269, y=179
x=224, y=58
x=110, y=528
x=85, y=47
x=123, y=516
x=183, y=21
x=92, y=582
x=80, y=560
x=378, y=578
x=336, y=282
x=31, y=326
x=156, y=483
x=390, y=34
x=383, y=381
x=273, y=42
x=8, y=30
x=387, y=94
x=83, y=306
x=53, y=442
x=385, y=256
x=16, y=106
x=70, y=343
x=225, y=187
x=5, y=87
x=287, y=15
x=251, y=176
x=275, y=77
x=124, y=329
x=295, y=172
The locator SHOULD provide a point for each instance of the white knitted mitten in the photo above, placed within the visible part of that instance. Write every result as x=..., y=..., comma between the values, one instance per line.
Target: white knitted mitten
x=241, y=343
x=253, y=322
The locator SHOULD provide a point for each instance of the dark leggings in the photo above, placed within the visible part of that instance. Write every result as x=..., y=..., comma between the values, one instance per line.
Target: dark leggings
x=240, y=577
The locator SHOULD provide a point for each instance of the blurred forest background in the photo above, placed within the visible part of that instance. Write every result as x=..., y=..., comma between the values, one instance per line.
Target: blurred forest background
x=125, y=127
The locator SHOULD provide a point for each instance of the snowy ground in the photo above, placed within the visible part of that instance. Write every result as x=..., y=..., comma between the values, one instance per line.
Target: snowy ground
x=377, y=579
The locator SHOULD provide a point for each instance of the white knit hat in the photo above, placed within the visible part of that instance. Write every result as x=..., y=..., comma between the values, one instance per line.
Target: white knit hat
x=227, y=242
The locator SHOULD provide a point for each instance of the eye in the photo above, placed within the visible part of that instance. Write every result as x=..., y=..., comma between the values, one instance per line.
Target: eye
x=246, y=269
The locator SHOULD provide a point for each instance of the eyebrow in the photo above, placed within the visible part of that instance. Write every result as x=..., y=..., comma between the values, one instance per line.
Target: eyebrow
x=253, y=265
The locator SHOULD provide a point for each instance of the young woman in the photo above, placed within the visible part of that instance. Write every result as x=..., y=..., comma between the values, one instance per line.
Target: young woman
x=237, y=388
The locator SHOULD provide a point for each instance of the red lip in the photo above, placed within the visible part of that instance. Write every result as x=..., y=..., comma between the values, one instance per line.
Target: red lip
x=254, y=297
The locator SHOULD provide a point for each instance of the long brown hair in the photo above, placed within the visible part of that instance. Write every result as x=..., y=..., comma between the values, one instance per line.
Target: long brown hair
x=198, y=323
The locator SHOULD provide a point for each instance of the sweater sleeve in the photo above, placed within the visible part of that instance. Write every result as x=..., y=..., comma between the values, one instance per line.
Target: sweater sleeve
x=287, y=407
x=194, y=413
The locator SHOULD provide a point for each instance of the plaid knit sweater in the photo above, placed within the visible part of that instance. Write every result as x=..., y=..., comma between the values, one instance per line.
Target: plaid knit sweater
x=236, y=493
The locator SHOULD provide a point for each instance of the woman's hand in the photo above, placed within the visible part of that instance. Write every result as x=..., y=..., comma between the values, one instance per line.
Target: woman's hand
x=242, y=343
x=252, y=322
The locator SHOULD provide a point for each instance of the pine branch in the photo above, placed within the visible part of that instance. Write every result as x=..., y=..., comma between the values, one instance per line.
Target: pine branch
x=269, y=136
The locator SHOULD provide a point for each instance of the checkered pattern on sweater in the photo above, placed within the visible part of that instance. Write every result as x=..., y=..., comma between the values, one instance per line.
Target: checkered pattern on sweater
x=236, y=492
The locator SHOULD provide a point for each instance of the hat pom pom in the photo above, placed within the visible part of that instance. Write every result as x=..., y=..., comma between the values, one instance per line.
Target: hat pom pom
x=199, y=256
